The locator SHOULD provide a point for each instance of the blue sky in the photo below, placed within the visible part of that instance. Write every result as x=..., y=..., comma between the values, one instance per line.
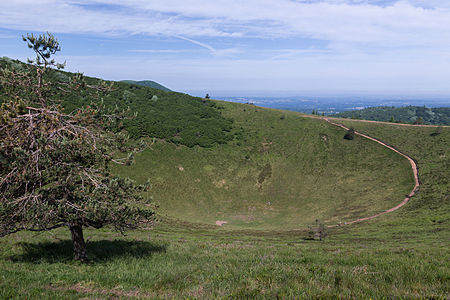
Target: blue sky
x=265, y=46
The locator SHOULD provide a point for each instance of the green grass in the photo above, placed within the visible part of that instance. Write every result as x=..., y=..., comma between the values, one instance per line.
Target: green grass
x=432, y=153
x=403, y=254
x=208, y=263
x=276, y=173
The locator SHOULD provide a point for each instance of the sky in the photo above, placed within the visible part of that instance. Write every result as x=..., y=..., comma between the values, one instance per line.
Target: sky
x=246, y=46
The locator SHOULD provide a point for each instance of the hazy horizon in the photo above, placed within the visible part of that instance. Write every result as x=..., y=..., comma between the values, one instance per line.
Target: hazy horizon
x=439, y=95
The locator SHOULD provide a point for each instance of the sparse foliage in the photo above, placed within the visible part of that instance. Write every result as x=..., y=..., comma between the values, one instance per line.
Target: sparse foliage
x=44, y=45
x=317, y=231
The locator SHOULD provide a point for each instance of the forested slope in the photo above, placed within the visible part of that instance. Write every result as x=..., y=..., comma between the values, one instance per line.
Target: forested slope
x=175, y=117
x=407, y=114
x=148, y=83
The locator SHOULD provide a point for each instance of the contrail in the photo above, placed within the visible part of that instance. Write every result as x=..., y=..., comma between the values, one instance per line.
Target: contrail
x=197, y=43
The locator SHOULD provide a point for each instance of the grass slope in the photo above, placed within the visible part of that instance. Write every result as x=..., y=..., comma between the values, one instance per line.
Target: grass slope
x=403, y=254
x=430, y=147
x=280, y=171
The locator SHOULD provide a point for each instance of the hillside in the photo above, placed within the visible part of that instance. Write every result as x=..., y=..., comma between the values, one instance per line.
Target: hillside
x=403, y=254
x=256, y=168
x=407, y=114
x=175, y=117
x=148, y=83
x=269, y=174
x=430, y=148
x=280, y=171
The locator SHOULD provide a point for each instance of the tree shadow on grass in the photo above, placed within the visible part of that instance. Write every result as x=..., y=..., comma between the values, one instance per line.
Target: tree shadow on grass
x=98, y=251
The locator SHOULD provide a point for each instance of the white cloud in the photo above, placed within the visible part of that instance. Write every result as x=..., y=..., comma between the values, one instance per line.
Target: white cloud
x=367, y=44
x=400, y=23
x=354, y=71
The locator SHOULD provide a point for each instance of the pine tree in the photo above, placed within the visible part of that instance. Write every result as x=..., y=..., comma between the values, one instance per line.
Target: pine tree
x=54, y=165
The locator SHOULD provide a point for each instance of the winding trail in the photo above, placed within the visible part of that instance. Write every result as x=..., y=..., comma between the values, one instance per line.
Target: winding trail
x=411, y=161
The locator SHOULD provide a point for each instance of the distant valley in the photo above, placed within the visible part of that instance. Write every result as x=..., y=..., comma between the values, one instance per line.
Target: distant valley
x=434, y=110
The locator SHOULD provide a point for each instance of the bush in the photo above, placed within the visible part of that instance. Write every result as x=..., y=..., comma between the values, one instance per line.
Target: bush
x=350, y=135
x=317, y=231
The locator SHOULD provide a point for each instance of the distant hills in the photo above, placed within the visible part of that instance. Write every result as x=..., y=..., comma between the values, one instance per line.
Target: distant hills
x=407, y=114
x=148, y=83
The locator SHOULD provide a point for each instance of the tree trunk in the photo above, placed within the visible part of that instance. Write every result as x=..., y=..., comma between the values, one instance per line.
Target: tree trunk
x=39, y=87
x=79, y=246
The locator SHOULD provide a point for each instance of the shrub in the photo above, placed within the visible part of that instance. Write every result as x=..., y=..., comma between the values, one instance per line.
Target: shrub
x=350, y=135
x=317, y=231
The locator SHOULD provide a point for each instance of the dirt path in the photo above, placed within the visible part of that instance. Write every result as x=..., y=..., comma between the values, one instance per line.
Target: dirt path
x=411, y=161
